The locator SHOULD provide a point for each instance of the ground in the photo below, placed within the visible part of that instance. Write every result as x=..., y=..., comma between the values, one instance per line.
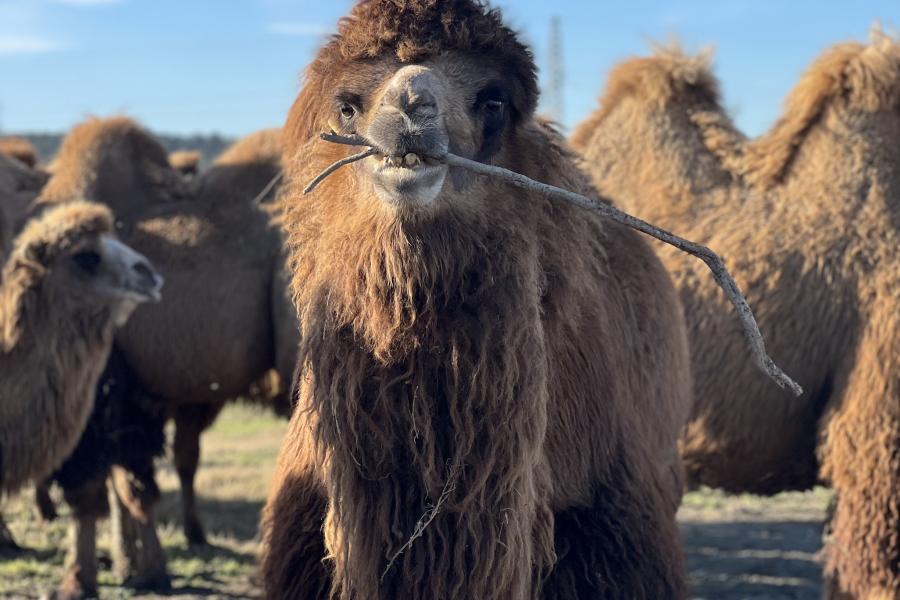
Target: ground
x=738, y=547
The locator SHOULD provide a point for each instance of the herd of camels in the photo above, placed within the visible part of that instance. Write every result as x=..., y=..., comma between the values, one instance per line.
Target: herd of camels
x=493, y=394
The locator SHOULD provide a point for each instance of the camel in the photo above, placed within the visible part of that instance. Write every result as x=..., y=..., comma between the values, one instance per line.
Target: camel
x=808, y=215
x=225, y=321
x=19, y=186
x=186, y=162
x=67, y=284
x=491, y=382
x=19, y=149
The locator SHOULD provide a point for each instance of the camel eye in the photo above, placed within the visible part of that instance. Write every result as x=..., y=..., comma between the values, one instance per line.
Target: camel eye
x=87, y=261
x=494, y=107
x=348, y=111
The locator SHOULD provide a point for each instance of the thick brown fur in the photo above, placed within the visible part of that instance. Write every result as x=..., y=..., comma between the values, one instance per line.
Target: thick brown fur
x=225, y=319
x=490, y=392
x=809, y=226
x=20, y=149
x=54, y=345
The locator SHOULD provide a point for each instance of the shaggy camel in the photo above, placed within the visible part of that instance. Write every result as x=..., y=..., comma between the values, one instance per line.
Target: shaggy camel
x=809, y=216
x=67, y=284
x=226, y=318
x=493, y=382
x=186, y=162
x=20, y=149
x=19, y=186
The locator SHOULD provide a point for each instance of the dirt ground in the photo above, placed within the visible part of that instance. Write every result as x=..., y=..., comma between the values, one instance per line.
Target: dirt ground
x=737, y=548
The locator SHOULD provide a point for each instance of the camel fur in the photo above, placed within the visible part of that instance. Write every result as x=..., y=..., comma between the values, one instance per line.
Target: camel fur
x=807, y=216
x=186, y=162
x=491, y=382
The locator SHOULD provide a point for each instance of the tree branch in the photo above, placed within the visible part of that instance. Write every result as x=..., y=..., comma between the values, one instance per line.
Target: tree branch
x=712, y=260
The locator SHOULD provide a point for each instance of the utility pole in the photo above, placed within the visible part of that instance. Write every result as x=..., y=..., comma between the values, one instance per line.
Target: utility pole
x=556, y=73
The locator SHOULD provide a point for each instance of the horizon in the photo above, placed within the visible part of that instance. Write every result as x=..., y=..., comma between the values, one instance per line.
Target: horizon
x=232, y=68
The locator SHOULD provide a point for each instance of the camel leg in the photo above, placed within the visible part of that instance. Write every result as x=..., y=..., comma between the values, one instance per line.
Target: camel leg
x=190, y=422
x=46, y=508
x=861, y=459
x=292, y=564
x=624, y=546
x=138, y=557
x=8, y=545
x=88, y=504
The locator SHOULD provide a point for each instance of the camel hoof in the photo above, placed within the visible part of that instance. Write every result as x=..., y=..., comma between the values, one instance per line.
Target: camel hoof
x=66, y=592
x=195, y=535
x=46, y=511
x=8, y=546
x=159, y=582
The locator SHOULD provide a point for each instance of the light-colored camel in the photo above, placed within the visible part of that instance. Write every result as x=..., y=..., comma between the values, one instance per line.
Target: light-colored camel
x=225, y=320
x=186, y=162
x=807, y=217
x=493, y=382
x=67, y=284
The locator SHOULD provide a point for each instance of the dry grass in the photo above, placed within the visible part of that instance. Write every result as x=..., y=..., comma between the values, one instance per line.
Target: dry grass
x=738, y=547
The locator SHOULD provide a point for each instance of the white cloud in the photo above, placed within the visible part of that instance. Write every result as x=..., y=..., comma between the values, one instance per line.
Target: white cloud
x=299, y=29
x=11, y=45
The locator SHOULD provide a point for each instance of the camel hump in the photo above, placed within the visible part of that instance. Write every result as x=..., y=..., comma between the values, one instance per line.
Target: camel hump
x=20, y=149
x=186, y=162
x=668, y=75
x=855, y=76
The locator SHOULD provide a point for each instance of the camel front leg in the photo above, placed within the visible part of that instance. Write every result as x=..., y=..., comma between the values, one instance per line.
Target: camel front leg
x=88, y=503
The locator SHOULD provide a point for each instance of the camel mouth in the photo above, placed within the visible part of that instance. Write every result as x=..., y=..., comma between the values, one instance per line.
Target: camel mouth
x=410, y=178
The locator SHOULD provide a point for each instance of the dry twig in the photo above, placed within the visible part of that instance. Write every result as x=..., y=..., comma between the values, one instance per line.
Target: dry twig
x=424, y=521
x=712, y=260
x=266, y=190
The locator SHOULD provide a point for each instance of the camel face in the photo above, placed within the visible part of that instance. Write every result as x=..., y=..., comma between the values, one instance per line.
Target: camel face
x=451, y=102
x=104, y=270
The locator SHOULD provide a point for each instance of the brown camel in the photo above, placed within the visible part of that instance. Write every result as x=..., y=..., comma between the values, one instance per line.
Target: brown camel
x=808, y=215
x=186, y=162
x=67, y=284
x=492, y=381
x=19, y=186
x=19, y=149
x=226, y=318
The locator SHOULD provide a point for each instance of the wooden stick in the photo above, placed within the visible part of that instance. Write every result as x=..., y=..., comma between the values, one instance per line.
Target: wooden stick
x=712, y=260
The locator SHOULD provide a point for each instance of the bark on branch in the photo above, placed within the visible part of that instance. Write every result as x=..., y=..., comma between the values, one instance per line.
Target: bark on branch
x=712, y=260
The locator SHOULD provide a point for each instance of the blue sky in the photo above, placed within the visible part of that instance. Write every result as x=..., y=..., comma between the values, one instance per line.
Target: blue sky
x=232, y=66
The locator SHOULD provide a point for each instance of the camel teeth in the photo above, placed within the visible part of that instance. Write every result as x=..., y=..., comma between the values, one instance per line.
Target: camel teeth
x=412, y=160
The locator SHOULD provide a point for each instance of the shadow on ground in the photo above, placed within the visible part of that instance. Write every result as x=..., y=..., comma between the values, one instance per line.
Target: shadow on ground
x=774, y=560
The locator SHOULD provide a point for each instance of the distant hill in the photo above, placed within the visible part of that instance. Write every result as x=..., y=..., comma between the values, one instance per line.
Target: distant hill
x=210, y=146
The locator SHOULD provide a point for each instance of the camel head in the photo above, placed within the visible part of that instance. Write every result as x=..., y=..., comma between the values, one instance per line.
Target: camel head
x=848, y=100
x=417, y=79
x=73, y=250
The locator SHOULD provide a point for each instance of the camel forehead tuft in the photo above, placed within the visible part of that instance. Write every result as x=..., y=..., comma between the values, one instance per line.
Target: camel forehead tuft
x=411, y=30
x=65, y=226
